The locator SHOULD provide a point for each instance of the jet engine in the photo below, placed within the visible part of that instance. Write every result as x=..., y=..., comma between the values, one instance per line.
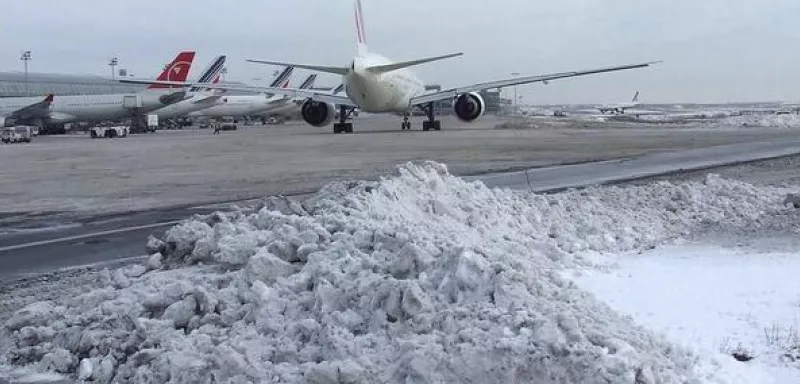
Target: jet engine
x=318, y=114
x=172, y=98
x=468, y=107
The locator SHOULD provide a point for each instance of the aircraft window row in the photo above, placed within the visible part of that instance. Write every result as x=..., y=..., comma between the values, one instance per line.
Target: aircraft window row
x=16, y=89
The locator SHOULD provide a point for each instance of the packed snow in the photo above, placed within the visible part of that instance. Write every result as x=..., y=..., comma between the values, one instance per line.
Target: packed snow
x=418, y=278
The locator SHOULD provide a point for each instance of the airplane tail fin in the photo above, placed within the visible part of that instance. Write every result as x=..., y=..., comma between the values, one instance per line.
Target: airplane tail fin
x=360, y=30
x=212, y=73
x=405, y=64
x=309, y=82
x=282, y=80
x=636, y=97
x=338, y=89
x=177, y=70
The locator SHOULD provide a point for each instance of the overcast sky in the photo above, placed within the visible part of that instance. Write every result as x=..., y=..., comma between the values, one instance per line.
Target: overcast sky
x=713, y=50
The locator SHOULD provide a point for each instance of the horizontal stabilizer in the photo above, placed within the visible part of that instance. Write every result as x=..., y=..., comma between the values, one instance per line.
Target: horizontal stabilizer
x=405, y=64
x=318, y=68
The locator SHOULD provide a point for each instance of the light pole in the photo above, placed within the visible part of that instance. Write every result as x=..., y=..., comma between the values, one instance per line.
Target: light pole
x=113, y=63
x=515, y=74
x=26, y=57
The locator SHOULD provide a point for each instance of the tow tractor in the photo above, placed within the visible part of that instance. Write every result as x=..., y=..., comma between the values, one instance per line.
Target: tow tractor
x=109, y=132
x=17, y=134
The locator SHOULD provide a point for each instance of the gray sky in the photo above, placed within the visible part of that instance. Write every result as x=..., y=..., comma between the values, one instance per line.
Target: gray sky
x=714, y=50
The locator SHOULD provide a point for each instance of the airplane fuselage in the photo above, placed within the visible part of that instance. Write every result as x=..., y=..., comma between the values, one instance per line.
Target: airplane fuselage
x=72, y=108
x=381, y=92
x=245, y=105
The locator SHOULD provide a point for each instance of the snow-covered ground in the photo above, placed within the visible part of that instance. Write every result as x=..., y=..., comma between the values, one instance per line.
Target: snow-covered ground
x=714, y=300
x=423, y=278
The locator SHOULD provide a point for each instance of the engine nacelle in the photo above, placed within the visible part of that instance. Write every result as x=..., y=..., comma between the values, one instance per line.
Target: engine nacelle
x=468, y=107
x=318, y=114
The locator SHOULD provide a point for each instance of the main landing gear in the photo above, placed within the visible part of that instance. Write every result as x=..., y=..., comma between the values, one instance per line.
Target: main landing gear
x=431, y=124
x=343, y=126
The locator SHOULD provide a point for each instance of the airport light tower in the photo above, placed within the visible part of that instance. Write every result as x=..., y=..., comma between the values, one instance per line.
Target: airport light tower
x=515, y=74
x=26, y=57
x=113, y=63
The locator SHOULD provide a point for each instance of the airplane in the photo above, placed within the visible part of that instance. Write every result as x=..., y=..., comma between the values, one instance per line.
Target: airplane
x=375, y=84
x=58, y=110
x=620, y=108
x=200, y=98
x=291, y=107
x=252, y=105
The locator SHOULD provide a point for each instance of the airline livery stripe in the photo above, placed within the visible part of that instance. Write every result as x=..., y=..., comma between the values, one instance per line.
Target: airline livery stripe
x=283, y=77
x=360, y=23
x=309, y=81
x=212, y=73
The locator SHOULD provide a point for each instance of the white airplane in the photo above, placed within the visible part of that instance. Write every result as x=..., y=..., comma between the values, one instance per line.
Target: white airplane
x=376, y=84
x=251, y=105
x=199, y=98
x=291, y=107
x=620, y=108
x=56, y=110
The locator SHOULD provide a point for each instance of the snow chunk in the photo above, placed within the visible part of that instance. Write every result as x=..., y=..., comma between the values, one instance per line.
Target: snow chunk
x=155, y=261
x=59, y=360
x=181, y=312
x=268, y=268
x=37, y=314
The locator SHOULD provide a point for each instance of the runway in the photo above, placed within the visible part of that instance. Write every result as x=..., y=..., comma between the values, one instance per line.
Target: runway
x=121, y=238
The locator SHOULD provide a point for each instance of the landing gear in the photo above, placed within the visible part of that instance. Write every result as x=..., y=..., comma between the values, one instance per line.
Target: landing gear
x=431, y=124
x=342, y=125
x=405, y=125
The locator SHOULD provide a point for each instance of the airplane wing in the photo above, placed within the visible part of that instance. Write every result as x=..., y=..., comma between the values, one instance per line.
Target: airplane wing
x=288, y=92
x=40, y=109
x=453, y=92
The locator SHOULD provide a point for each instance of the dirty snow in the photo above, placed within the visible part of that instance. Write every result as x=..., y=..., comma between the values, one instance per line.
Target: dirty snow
x=419, y=278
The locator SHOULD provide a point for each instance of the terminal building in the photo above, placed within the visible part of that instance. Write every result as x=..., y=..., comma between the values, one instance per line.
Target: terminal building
x=17, y=84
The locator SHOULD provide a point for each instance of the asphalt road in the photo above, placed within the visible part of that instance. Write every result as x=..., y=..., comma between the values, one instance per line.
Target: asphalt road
x=32, y=247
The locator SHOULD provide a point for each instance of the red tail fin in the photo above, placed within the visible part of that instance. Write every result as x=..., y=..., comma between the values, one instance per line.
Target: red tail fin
x=177, y=70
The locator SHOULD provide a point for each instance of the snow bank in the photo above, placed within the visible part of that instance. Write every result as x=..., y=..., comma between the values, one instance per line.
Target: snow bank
x=420, y=278
x=766, y=121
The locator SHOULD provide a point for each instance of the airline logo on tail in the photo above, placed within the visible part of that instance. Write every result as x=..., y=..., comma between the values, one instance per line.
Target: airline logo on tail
x=212, y=73
x=282, y=80
x=309, y=82
x=177, y=70
x=362, y=36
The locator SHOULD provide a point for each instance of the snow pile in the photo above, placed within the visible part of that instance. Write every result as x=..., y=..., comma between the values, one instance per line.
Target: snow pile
x=764, y=121
x=419, y=278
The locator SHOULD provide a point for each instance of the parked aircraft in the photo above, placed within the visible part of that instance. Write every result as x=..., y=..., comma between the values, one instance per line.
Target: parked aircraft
x=375, y=84
x=199, y=98
x=53, y=110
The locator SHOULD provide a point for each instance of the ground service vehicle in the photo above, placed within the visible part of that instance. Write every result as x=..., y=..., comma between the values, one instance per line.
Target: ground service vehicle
x=17, y=134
